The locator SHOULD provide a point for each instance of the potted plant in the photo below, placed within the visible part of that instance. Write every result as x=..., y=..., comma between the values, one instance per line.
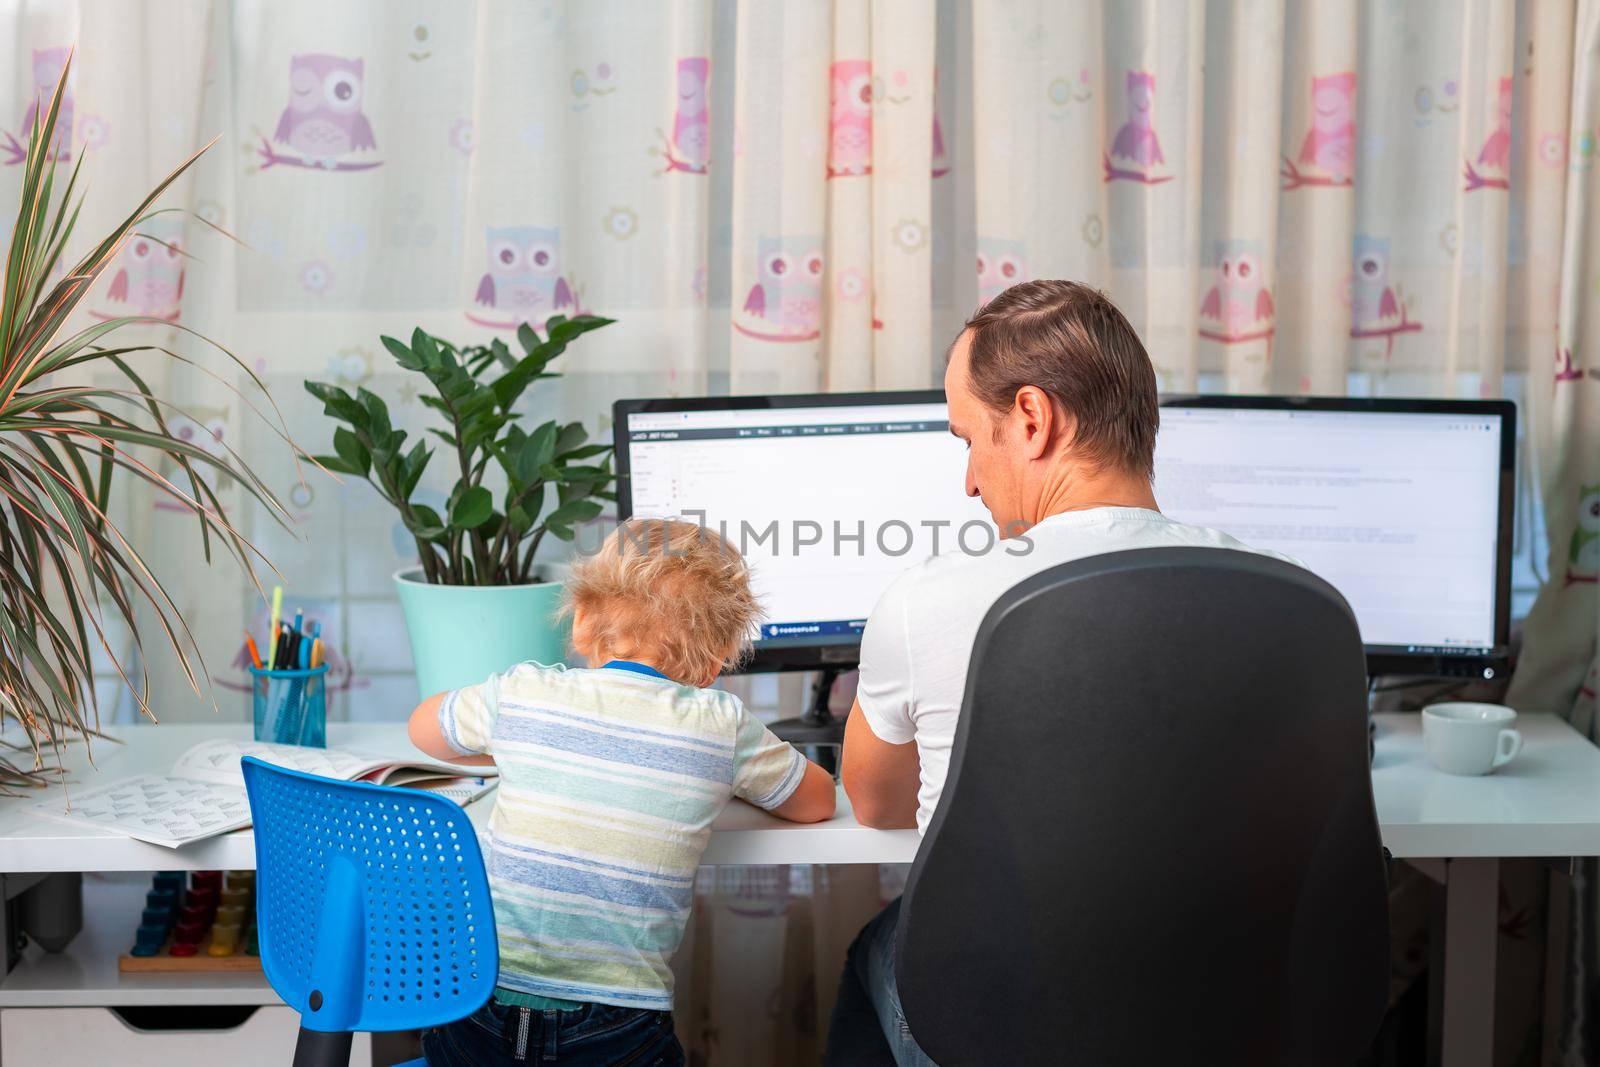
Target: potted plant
x=73, y=414
x=476, y=603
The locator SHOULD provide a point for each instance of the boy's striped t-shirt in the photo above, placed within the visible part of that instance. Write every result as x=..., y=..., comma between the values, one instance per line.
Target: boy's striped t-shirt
x=609, y=781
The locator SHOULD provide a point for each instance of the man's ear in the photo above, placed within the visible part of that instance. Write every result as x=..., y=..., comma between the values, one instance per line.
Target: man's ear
x=1040, y=422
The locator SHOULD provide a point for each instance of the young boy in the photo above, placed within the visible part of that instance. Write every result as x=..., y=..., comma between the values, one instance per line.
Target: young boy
x=610, y=778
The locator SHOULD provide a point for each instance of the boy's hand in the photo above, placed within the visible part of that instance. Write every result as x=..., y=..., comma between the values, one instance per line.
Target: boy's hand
x=813, y=800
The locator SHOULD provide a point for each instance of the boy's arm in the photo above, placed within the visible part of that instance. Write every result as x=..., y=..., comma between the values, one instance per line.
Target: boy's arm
x=813, y=800
x=427, y=735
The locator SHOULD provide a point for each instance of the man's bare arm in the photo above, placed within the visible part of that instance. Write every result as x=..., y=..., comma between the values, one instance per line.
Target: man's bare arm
x=881, y=779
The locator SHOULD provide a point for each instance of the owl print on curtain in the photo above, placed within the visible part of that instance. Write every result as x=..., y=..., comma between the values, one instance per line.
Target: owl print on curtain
x=850, y=119
x=1002, y=263
x=1327, y=156
x=1238, y=307
x=523, y=281
x=147, y=275
x=1583, y=555
x=1377, y=311
x=324, y=123
x=688, y=148
x=785, y=304
x=203, y=427
x=1495, y=156
x=48, y=63
x=1137, y=149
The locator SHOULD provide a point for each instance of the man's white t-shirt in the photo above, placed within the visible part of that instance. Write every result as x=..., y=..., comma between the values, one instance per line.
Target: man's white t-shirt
x=919, y=637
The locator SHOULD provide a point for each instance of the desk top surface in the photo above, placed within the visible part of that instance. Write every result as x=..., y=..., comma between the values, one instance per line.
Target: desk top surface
x=34, y=841
x=1545, y=803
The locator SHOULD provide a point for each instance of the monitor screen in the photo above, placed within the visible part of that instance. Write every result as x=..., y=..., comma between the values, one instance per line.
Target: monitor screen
x=1402, y=505
x=828, y=498
x=1400, y=510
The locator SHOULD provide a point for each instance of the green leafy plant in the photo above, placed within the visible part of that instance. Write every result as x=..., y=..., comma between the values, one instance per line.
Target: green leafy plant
x=64, y=565
x=479, y=540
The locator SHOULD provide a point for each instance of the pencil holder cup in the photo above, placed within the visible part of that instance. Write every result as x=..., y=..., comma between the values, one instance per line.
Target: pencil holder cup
x=291, y=707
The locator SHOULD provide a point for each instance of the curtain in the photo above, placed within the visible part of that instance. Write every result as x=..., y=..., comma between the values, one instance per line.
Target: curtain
x=780, y=195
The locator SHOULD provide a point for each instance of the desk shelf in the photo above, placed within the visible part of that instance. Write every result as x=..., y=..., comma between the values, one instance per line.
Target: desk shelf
x=86, y=974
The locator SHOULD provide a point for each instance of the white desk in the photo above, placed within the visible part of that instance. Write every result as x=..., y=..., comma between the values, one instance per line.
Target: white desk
x=31, y=842
x=1545, y=804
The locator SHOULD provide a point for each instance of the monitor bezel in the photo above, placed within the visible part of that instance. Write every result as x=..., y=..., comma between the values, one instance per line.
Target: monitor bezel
x=843, y=654
x=1383, y=659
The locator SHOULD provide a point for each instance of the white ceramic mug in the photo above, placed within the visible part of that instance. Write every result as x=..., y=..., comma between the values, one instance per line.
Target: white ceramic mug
x=1466, y=738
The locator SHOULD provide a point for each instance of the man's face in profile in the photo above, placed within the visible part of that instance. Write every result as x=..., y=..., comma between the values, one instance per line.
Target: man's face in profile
x=992, y=467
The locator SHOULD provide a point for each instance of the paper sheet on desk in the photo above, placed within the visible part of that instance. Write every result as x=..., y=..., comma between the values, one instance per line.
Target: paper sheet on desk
x=205, y=796
x=163, y=811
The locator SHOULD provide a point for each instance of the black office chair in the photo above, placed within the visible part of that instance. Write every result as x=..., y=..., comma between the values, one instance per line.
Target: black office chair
x=1157, y=841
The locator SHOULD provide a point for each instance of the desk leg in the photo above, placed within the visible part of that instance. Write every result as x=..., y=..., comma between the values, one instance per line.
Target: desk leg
x=1471, y=928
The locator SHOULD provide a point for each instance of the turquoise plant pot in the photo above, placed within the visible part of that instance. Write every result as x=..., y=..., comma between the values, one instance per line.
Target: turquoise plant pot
x=461, y=634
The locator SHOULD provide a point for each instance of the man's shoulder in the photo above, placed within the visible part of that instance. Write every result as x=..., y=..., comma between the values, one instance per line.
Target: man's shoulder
x=957, y=576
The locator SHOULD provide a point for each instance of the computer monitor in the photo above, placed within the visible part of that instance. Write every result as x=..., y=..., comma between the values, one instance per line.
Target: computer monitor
x=1404, y=506
x=829, y=496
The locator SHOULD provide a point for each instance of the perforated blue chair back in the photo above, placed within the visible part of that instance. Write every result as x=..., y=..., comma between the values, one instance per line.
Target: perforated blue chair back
x=372, y=905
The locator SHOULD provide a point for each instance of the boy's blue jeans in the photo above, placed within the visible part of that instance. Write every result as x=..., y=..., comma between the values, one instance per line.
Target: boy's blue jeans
x=868, y=1022
x=597, y=1034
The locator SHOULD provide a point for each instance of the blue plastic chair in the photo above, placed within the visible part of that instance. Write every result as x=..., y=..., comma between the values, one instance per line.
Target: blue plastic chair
x=372, y=908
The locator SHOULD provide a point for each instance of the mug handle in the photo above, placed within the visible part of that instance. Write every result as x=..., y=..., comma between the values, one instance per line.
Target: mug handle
x=1507, y=747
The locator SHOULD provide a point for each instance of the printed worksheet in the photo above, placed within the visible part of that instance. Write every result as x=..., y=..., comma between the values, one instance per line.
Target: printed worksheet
x=163, y=811
x=205, y=795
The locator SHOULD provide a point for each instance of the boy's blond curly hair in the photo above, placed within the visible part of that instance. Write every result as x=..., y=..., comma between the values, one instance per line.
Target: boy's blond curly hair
x=672, y=592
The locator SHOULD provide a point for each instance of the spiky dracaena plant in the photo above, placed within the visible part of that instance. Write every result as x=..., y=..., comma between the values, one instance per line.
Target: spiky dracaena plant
x=66, y=569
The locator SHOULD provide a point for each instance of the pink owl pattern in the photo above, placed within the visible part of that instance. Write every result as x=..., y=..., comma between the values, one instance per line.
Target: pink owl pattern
x=147, y=275
x=1377, y=312
x=1328, y=152
x=1136, y=145
x=203, y=428
x=688, y=149
x=525, y=280
x=1495, y=156
x=1002, y=263
x=1566, y=369
x=785, y=303
x=324, y=122
x=1238, y=307
x=850, y=119
x=48, y=66
x=941, y=159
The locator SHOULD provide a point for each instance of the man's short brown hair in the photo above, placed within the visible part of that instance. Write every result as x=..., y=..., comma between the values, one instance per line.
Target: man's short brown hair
x=1070, y=341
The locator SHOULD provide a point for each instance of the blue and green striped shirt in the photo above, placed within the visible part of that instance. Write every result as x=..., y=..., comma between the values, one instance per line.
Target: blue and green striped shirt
x=610, y=779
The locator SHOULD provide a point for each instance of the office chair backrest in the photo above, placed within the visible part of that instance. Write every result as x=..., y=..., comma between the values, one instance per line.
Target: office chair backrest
x=1157, y=841
x=372, y=905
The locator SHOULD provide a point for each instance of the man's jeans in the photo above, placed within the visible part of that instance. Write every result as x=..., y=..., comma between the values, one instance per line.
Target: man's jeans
x=867, y=1016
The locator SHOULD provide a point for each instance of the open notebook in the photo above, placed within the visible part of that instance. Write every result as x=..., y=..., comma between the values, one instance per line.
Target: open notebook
x=204, y=795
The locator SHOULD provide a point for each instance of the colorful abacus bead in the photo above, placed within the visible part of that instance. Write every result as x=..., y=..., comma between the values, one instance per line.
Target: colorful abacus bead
x=148, y=940
x=224, y=939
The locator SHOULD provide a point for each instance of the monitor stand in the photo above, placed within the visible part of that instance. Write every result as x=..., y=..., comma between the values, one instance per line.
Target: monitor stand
x=817, y=728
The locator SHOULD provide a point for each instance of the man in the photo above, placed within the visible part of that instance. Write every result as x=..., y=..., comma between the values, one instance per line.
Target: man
x=1055, y=397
